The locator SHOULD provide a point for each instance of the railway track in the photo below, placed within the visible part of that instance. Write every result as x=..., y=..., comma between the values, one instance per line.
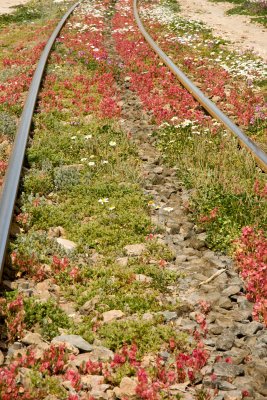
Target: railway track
x=110, y=206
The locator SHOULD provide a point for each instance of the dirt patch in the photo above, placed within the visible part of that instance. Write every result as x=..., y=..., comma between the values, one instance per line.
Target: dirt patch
x=236, y=28
x=6, y=5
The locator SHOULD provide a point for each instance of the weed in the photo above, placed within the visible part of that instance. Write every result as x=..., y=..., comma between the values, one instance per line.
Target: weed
x=47, y=315
x=148, y=335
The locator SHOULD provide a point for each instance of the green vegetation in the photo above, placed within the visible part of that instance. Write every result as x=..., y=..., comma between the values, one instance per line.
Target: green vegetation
x=256, y=9
x=223, y=176
x=47, y=315
x=32, y=11
x=149, y=336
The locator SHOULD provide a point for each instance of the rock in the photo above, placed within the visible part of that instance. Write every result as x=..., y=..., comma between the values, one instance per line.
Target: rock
x=174, y=230
x=122, y=261
x=99, y=392
x=112, y=315
x=251, y=328
x=225, y=341
x=80, y=359
x=100, y=353
x=32, y=338
x=215, y=329
x=226, y=370
x=216, y=99
x=158, y=170
x=224, y=385
x=2, y=358
x=128, y=387
x=244, y=383
x=89, y=306
x=68, y=245
x=241, y=315
x=90, y=381
x=263, y=389
x=43, y=290
x=196, y=243
x=134, y=250
x=74, y=340
x=56, y=232
x=231, y=290
x=233, y=395
x=147, y=317
x=169, y=315
x=143, y=278
x=237, y=355
x=23, y=377
x=225, y=303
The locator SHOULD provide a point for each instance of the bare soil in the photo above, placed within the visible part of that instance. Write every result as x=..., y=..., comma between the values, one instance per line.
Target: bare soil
x=238, y=29
x=6, y=5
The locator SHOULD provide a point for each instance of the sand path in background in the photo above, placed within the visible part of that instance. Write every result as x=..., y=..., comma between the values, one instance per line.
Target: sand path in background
x=5, y=5
x=236, y=28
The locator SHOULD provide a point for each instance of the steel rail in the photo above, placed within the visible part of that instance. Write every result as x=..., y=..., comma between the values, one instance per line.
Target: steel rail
x=12, y=177
x=259, y=155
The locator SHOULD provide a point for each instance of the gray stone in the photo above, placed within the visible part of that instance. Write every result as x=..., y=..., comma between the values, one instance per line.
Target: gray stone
x=169, y=315
x=32, y=338
x=225, y=341
x=251, y=328
x=263, y=389
x=224, y=385
x=68, y=245
x=244, y=383
x=99, y=392
x=225, y=303
x=134, y=250
x=147, y=317
x=226, y=370
x=241, y=315
x=231, y=290
x=128, y=387
x=100, y=353
x=112, y=315
x=233, y=395
x=263, y=337
x=89, y=306
x=122, y=261
x=215, y=329
x=237, y=355
x=143, y=278
x=74, y=340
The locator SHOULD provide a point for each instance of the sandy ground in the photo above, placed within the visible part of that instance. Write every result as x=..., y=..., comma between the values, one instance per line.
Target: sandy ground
x=236, y=28
x=5, y=5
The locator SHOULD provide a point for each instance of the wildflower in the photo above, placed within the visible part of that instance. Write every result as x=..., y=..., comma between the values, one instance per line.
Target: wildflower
x=168, y=209
x=88, y=137
x=83, y=159
x=104, y=162
x=91, y=164
x=112, y=144
x=104, y=200
x=73, y=137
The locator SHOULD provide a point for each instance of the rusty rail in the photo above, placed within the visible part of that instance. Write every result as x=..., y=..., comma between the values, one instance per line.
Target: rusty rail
x=259, y=155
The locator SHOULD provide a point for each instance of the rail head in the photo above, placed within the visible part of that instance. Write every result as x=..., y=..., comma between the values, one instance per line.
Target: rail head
x=259, y=155
x=12, y=177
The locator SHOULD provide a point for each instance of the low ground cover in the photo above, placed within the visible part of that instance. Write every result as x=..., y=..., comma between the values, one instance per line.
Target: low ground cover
x=22, y=38
x=257, y=9
x=84, y=185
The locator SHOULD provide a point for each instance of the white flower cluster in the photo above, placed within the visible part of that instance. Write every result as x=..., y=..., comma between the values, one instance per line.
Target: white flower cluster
x=243, y=67
x=239, y=66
